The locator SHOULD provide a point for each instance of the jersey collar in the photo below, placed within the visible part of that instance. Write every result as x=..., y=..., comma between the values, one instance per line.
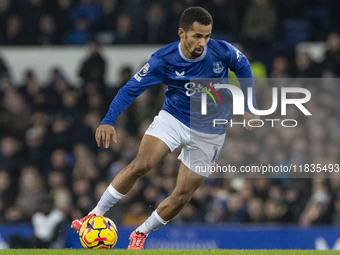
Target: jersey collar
x=195, y=59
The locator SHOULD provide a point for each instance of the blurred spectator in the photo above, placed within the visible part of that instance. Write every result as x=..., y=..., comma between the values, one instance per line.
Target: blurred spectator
x=81, y=190
x=86, y=130
x=14, y=215
x=336, y=215
x=317, y=210
x=124, y=33
x=61, y=14
x=236, y=211
x=331, y=62
x=292, y=9
x=295, y=200
x=225, y=14
x=32, y=14
x=107, y=22
x=14, y=31
x=94, y=66
x=280, y=68
x=59, y=191
x=84, y=161
x=115, y=168
x=174, y=13
x=80, y=35
x=261, y=187
x=4, y=72
x=30, y=89
x=155, y=18
x=56, y=86
x=151, y=198
x=275, y=211
x=60, y=163
x=125, y=75
x=319, y=16
x=306, y=67
x=31, y=190
x=70, y=108
x=87, y=10
x=104, y=159
x=334, y=6
x=48, y=32
x=11, y=156
x=4, y=13
x=259, y=24
x=47, y=223
x=187, y=215
x=95, y=101
x=258, y=68
x=255, y=210
x=136, y=215
x=7, y=192
x=60, y=131
x=35, y=151
x=132, y=27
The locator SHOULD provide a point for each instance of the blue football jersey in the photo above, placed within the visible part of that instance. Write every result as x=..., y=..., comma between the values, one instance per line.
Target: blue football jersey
x=170, y=67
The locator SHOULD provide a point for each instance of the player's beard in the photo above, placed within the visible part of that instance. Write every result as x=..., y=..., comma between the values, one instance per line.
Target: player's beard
x=193, y=53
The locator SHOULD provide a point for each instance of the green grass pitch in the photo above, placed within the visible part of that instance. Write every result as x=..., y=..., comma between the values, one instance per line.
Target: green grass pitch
x=163, y=252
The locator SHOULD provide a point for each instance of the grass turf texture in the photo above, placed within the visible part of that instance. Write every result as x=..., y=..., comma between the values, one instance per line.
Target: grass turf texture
x=164, y=252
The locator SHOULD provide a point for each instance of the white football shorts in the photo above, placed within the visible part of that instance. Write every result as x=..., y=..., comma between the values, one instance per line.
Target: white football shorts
x=200, y=150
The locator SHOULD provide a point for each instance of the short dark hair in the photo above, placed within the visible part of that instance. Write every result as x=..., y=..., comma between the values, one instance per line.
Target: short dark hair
x=195, y=14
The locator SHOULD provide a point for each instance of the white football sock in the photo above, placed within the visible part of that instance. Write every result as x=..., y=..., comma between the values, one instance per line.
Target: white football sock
x=110, y=197
x=97, y=211
x=152, y=223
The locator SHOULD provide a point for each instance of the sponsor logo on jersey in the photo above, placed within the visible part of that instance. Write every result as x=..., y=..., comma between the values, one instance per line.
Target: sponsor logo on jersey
x=193, y=88
x=218, y=67
x=179, y=74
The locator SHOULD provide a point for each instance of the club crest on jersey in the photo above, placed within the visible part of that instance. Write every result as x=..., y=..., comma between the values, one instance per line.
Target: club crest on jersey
x=218, y=67
x=179, y=74
x=142, y=72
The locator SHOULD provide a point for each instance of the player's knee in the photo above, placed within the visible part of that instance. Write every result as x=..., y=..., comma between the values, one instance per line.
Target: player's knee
x=140, y=166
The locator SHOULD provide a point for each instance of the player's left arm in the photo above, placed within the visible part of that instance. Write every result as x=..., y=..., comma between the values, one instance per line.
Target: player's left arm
x=239, y=64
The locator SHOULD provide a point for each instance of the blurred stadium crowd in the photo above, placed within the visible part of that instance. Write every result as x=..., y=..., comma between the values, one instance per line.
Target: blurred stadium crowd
x=254, y=22
x=47, y=129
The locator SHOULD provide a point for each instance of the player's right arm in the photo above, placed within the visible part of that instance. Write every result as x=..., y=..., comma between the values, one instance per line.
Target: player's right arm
x=150, y=74
x=239, y=64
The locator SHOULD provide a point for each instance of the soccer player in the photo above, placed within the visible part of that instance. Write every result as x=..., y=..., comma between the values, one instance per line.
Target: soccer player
x=194, y=56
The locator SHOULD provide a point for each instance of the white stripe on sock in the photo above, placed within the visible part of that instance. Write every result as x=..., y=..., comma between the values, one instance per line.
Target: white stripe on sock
x=114, y=192
x=160, y=219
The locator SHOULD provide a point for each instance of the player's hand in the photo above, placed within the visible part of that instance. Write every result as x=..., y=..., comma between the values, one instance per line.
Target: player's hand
x=255, y=120
x=104, y=135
